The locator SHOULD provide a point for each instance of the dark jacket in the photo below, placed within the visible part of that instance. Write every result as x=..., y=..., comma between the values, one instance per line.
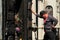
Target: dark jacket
x=49, y=22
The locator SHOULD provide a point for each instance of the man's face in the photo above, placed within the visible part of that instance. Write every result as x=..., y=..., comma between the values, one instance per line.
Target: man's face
x=45, y=15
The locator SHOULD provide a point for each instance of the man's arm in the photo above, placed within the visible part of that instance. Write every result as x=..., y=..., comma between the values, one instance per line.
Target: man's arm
x=33, y=11
x=30, y=9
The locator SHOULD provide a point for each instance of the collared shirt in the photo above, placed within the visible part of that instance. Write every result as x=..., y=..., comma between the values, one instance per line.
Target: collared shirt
x=49, y=22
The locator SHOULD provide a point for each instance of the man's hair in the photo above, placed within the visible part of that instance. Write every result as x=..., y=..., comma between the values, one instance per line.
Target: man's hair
x=42, y=12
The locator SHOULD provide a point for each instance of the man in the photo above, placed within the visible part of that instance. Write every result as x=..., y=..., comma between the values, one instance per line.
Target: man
x=49, y=23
